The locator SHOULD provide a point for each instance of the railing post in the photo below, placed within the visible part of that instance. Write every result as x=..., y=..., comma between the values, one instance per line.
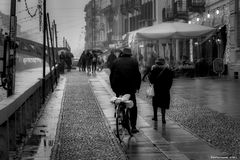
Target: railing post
x=28, y=114
x=12, y=132
x=4, y=144
x=33, y=104
x=23, y=118
x=18, y=126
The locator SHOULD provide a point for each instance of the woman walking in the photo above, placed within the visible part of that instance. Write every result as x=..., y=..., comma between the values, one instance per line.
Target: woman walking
x=161, y=77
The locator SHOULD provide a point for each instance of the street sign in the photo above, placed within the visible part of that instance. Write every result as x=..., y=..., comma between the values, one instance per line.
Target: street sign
x=218, y=66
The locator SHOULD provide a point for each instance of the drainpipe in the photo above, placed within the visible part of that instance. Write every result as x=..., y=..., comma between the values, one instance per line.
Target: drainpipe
x=236, y=22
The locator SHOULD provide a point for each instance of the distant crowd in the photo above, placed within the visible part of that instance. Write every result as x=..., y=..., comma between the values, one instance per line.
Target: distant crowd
x=90, y=61
x=65, y=58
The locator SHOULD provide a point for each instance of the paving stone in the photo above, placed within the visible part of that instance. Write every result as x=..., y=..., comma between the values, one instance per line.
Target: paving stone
x=84, y=133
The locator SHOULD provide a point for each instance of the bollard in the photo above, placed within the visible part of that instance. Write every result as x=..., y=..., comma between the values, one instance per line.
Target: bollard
x=235, y=75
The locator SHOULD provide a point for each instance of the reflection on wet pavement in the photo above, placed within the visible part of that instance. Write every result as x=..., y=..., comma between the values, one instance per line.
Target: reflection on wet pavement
x=218, y=94
x=41, y=142
x=174, y=140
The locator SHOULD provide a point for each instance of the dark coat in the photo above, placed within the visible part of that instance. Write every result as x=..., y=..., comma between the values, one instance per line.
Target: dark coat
x=162, y=84
x=125, y=76
x=94, y=57
x=111, y=59
x=88, y=59
x=82, y=60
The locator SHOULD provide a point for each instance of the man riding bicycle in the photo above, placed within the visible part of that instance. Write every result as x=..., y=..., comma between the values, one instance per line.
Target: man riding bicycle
x=125, y=78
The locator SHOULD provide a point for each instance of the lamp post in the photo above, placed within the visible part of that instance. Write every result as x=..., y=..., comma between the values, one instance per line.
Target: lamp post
x=44, y=50
x=11, y=53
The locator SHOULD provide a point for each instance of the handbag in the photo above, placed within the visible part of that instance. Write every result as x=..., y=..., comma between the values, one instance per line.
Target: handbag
x=150, y=91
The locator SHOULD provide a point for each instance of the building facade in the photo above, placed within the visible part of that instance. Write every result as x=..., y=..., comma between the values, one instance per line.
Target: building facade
x=5, y=23
x=118, y=18
x=223, y=15
x=99, y=17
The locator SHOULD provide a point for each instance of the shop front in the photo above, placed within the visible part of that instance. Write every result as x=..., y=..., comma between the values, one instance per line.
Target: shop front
x=212, y=51
x=171, y=41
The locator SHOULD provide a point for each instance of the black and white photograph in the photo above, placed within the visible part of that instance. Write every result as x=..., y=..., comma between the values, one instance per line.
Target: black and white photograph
x=119, y=80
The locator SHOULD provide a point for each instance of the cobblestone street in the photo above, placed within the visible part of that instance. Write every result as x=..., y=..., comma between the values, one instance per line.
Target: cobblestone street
x=83, y=132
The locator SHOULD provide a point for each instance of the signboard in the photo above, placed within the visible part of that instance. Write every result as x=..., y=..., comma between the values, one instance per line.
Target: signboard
x=218, y=66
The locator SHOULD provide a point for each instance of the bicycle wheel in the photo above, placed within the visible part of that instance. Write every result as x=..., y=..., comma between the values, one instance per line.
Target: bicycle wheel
x=119, y=126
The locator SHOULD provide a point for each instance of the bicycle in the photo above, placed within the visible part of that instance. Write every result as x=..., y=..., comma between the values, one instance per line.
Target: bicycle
x=122, y=114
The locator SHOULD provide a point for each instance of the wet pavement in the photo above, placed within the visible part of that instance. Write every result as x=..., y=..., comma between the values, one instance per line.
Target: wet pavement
x=93, y=116
x=221, y=95
x=140, y=146
x=172, y=139
x=42, y=139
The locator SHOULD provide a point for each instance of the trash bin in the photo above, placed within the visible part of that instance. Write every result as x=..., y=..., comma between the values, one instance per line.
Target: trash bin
x=235, y=75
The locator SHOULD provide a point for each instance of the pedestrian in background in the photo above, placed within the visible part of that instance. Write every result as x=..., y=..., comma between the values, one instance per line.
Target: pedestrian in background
x=62, y=62
x=68, y=60
x=125, y=78
x=161, y=77
x=82, y=62
x=100, y=64
x=110, y=59
x=94, y=61
x=88, y=61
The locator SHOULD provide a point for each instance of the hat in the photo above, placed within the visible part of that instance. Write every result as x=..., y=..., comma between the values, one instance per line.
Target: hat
x=160, y=61
x=127, y=51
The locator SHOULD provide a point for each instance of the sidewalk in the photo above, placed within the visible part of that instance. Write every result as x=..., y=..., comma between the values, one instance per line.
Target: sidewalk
x=78, y=123
x=140, y=146
x=172, y=140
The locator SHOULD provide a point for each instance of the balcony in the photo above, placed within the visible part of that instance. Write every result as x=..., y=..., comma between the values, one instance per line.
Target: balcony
x=167, y=14
x=123, y=9
x=196, y=6
x=130, y=7
x=147, y=11
x=170, y=14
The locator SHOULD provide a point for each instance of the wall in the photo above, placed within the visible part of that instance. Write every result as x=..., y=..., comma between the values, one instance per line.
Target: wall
x=234, y=66
x=160, y=4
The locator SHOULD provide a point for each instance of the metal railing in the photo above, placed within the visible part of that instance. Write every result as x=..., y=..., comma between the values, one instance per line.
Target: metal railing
x=18, y=114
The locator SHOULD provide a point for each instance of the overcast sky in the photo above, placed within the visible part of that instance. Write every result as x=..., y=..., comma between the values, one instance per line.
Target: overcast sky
x=68, y=14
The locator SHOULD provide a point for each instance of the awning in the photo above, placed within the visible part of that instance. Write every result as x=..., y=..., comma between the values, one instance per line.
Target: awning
x=173, y=30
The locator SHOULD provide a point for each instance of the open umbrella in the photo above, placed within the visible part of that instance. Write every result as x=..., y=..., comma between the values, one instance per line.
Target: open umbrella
x=173, y=30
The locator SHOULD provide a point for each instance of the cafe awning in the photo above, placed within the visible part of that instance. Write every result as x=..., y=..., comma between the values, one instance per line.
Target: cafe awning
x=175, y=30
